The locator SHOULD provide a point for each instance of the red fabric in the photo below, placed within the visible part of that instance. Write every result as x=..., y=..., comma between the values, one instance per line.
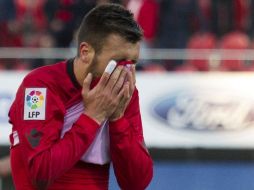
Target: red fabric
x=205, y=8
x=10, y=39
x=241, y=14
x=54, y=163
x=125, y=63
x=148, y=18
x=34, y=10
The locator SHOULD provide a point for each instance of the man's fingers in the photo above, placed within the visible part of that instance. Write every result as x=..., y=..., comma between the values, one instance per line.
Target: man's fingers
x=108, y=71
x=87, y=83
x=120, y=81
x=133, y=72
x=127, y=90
x=114, y=77
x=111, y=67
x=124, y=94
x=131, y=79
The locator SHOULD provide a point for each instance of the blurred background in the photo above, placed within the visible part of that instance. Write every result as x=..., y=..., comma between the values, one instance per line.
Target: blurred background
x=195, y=77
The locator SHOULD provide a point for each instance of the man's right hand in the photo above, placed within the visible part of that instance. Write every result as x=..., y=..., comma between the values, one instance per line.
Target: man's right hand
x=103, y=99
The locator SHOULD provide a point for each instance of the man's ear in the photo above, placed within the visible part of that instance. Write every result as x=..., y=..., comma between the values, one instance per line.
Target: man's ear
x=86, y=52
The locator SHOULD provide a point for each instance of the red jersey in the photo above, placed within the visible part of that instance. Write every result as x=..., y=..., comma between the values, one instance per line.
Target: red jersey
x=45, y=157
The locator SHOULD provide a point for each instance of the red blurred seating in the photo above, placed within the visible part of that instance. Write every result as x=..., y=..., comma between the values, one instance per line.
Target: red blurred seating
x=20, y=66
x=201, y=41
x=2, y=67
x=234, y=41
x=154, y=68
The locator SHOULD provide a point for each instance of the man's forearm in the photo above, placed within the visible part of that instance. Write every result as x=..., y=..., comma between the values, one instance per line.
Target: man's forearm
x=131, y=161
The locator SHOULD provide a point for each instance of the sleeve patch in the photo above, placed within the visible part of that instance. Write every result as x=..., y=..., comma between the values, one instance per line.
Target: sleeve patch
x=35, y=104
x=34, y=137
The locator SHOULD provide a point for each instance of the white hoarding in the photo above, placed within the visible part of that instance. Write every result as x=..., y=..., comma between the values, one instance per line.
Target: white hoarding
x=190, y=110
x=9, y=83
x=179, y=110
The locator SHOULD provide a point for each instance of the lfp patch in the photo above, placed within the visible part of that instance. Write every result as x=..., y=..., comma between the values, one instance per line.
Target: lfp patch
x=35, y=104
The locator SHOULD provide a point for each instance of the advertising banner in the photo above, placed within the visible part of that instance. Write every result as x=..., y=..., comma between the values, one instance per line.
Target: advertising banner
x=9, y=83
x=179, y=110
x=192, y=110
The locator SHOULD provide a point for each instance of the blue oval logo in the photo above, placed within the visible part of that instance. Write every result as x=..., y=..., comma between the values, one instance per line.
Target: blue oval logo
x=205, y=110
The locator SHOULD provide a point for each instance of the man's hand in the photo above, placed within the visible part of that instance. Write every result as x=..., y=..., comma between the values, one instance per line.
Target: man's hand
x=101, y=102
x=128, y=89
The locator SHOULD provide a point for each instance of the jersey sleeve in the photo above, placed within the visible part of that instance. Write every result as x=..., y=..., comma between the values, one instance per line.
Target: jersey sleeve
x=44, y=153
x=132, y=163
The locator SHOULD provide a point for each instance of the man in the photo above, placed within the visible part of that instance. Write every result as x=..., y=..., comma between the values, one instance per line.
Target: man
x=71, y=119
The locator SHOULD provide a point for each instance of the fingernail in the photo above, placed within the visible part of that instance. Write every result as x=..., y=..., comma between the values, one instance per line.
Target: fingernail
x=128, y=67
x=111, y=66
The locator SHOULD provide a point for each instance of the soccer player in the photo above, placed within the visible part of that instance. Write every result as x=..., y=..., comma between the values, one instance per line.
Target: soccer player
x=72, y=119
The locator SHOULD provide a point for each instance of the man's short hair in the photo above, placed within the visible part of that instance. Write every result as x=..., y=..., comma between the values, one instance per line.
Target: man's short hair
x=108, y=19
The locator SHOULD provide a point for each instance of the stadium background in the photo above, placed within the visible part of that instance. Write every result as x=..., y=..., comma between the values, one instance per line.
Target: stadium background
x=195, y=76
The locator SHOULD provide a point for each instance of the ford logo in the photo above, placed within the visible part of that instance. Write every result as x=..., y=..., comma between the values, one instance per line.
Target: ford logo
x=205, y=110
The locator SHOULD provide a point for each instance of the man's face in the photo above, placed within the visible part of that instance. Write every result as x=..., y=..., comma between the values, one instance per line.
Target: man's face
x=116, y=48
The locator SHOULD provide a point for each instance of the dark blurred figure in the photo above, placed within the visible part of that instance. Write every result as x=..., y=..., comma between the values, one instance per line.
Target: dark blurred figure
x=7, y=10
x=227, y=16
x=64, y=16
x=179, y=19
x=9, y=34
x=222, y=16
x=10, y=30
x=251, y=19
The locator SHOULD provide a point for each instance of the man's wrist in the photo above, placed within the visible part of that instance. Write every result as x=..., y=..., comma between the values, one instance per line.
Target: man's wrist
x=112, y=119
x=98, y=120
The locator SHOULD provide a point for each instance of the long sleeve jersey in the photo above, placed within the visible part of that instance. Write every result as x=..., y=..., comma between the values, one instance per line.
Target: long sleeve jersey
x=45, y=157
